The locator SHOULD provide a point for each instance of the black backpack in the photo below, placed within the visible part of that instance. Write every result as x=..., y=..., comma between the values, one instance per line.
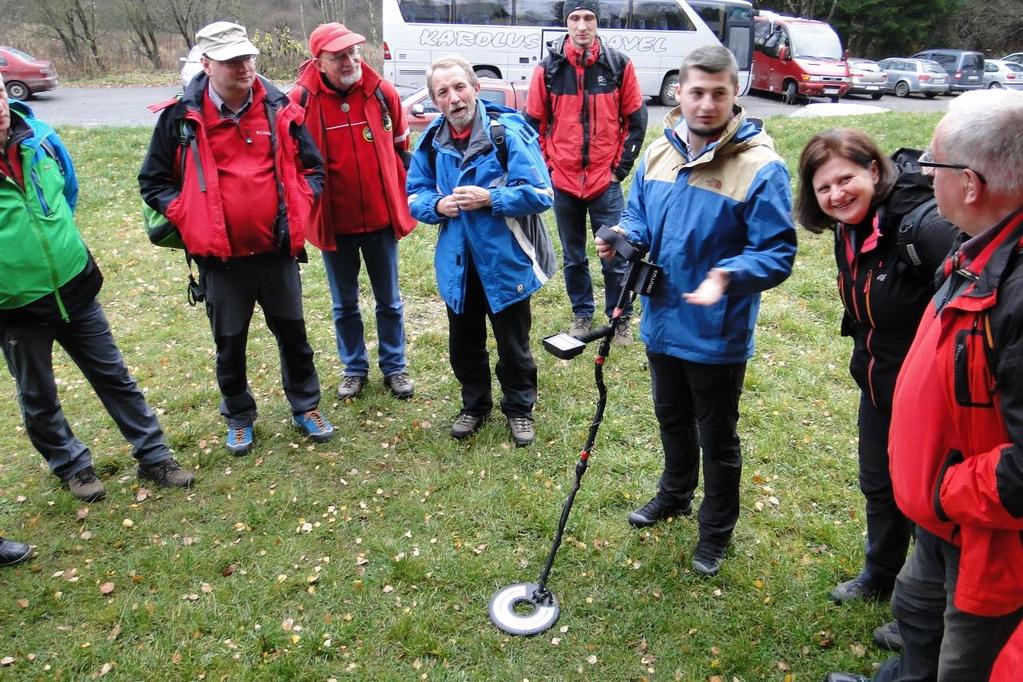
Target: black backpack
x=912, y=209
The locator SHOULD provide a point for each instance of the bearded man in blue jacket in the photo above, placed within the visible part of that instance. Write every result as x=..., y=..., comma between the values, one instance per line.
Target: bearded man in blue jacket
x=486, y=265
x=712, y=202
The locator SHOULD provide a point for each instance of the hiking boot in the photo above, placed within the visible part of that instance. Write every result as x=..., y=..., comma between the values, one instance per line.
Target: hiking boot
x=466, y=424
x=167, y=473
x=659, y=508
x=350, y=386
x=581, y=324
x=12, y=552
x=239, y=439
x=707, y=559
x=845, y=677
x=315, y=426
x=86, y=486
x=859, y=587
x=623, y=333
x=522, y=430
x=888, y=636
x=400, y=385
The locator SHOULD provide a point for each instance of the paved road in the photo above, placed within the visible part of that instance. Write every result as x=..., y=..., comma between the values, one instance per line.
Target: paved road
x=127, y=106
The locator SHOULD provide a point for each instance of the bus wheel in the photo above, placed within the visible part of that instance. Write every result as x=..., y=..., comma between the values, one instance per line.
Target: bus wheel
x=791, y=93
x=669, y=90
x=486, y=73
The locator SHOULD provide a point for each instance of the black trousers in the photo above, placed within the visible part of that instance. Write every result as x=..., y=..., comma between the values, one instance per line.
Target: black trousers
x=888, y=530
x=940, y=642
x=233, y=288
x=470, y=361
x=697, y=408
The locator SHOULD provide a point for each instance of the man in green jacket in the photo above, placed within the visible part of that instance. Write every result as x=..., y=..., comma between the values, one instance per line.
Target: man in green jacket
x=48, y=288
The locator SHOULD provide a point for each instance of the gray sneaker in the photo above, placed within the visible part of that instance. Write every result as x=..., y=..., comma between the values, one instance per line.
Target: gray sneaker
x=167, y=473
x=351, y=386
x=623, y=333
x=522, y=430
x=400, y=385
x=581, y=324
x=86, y=486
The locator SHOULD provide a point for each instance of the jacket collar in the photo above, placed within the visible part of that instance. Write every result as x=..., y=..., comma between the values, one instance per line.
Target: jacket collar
x=740, y=134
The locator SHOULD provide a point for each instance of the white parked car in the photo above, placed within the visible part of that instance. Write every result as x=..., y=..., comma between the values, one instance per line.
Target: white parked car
x=190, y=65
x=999, y=73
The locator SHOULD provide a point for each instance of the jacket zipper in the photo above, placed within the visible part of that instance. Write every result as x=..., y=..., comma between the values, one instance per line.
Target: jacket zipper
x=44, y=243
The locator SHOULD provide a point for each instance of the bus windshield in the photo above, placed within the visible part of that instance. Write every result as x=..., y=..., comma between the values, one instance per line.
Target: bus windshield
x=815, y=40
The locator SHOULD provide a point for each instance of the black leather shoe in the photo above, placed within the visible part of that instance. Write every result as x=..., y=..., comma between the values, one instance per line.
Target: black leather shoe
x=859, y=587
x=12, y=552
x=845, y=677
x=888, y=636
x=707, y=559
x=658, y=509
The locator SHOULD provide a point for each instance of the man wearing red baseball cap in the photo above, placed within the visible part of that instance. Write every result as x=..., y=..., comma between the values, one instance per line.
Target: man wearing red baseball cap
x=356, y=119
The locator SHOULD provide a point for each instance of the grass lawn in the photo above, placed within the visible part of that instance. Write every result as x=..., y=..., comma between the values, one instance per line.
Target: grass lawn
x=374, y=556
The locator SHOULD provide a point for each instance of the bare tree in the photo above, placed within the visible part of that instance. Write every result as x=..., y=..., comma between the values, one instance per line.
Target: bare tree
x=144, y=26
x=188, y=16
x=73, y=22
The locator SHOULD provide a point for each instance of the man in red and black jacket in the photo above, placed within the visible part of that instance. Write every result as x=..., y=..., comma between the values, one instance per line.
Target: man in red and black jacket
x=232, y=167
x=956, y=440
x=586, y=103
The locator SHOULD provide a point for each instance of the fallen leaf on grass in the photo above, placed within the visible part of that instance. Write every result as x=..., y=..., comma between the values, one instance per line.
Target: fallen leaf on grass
x=858, y=650
x=141, y=495
x=82, y=513
x=22, y=603
x=229, y=570
x=106, y=589
x=114, y=633
x=7, y=661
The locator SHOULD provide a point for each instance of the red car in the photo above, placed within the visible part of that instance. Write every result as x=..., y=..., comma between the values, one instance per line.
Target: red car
x=420, y=110
x=24, y=75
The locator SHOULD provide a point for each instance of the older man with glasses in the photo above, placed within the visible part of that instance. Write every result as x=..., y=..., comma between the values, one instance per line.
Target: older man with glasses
x=356, y=119
x=233, y=168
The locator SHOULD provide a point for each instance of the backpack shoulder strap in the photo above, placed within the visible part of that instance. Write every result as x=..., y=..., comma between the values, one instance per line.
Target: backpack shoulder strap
x=498, y=134
x=385, y=110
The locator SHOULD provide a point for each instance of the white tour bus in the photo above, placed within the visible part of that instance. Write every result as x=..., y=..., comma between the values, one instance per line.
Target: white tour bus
x=507, y=38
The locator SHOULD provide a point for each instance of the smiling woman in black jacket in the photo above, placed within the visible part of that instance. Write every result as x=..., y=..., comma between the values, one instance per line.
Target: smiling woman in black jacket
x=847, y=185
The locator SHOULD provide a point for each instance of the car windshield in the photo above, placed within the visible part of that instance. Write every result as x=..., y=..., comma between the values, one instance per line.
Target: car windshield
x=815, y=40
x=24, y=55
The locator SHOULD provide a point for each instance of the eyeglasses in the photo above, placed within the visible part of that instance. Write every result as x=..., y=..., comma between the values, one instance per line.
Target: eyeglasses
x=351, y=54
x=928, y=164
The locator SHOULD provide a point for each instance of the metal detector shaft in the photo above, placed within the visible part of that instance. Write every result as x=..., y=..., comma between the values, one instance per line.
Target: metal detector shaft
x=605, y=334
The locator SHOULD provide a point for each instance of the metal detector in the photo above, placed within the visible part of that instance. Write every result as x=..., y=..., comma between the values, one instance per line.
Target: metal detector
x=531, y=608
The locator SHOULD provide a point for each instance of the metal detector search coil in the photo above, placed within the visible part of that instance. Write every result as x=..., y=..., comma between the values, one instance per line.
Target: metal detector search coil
x=537, y=613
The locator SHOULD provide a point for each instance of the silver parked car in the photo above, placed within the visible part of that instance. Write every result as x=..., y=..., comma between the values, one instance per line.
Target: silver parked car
x=867, y=78
x=1014, y=57
x=1002, y=74
x=190, y=65
x=906, y=76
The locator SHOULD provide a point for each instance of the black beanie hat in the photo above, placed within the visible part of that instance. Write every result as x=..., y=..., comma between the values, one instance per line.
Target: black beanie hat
x=573, y=5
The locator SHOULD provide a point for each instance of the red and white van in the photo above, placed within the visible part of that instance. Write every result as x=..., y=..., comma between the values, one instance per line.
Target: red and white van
x=794, y=57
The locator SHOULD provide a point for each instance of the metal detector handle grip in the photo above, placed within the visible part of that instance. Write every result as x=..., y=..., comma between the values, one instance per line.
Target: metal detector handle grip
x=595, y=334
x=622, y=245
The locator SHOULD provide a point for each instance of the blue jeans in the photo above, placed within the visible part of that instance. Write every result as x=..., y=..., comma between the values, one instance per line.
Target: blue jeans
x=28, y=349
x=380, y=252
x=570, y=212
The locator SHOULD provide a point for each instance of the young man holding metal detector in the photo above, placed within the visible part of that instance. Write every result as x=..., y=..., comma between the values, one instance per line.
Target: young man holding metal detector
x=711, y=200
